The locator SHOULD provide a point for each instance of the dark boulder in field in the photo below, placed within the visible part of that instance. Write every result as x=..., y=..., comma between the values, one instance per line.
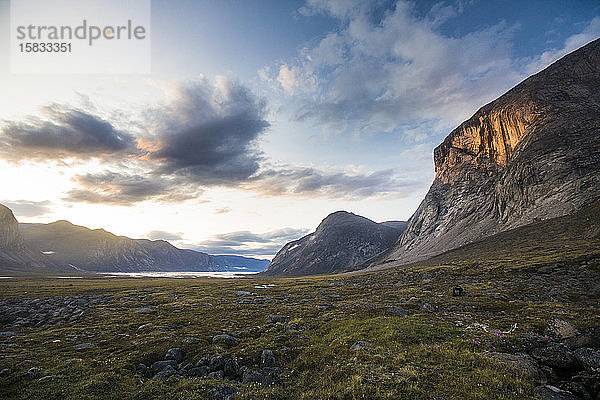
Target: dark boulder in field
x=556, y=356
x=224, y=340
x=548, y=392
x=161, y=365
x=560, y=330
x=165, y=373
x=588, y=358
x=174, y=354
x=267, y=358
x=274, y=318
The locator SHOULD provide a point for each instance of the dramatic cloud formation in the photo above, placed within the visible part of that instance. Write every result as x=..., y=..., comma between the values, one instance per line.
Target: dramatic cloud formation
x=207, y=132
x=25, y=208
x=249, y=243
x=61, y=132
x=204, y=135
x=123, y=189
x=387, y=66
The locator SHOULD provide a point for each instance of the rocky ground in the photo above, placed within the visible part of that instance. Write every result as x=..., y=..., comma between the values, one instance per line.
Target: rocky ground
x=513, y=333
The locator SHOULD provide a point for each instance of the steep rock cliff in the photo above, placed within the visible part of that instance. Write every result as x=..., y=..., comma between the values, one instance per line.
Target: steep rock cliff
x=531, y=155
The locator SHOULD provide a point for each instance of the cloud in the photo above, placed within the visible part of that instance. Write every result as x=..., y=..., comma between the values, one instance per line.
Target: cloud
x=222, y=210
x=249, y=243
x=203, y=135
x=591, y=32
x=163, y=235
x=386, y=66
x=123, y=189
x=25, y=208
x=61, y=132
x=294, y=78
x=311, y=182
x=207, y=132
x=390, y=65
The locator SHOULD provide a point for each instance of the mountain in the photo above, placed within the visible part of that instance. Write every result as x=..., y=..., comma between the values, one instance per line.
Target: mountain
x=101, y=251
x=341, y=241
x=10, y=237
x=400, y=225
x=239, y=263
x=14, y=254
x=531, y=155
x=97, y=250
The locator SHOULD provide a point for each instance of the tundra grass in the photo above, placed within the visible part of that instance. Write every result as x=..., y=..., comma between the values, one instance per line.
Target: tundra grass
x=436, y=350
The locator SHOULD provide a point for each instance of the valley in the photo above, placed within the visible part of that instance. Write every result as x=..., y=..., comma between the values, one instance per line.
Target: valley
x=396, y=333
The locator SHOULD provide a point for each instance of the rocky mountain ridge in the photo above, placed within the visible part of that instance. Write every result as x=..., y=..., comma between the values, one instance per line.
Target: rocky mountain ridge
x=64, y=247
x=341, y=241
x=530, y=155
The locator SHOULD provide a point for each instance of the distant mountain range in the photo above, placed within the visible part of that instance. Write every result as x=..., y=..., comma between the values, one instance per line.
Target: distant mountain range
x=341, y=241
x=62, y=247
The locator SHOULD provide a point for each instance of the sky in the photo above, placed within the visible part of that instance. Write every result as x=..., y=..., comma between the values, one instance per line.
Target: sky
x=259, y=118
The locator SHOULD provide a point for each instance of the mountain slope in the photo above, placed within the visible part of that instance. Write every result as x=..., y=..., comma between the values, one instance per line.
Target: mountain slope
x=239, y=263
x=14, y=254
x=101, y=251
x=531, y=155
x=341, y=241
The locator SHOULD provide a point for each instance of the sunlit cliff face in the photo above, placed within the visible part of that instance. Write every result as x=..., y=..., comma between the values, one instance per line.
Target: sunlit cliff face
x=487, y=139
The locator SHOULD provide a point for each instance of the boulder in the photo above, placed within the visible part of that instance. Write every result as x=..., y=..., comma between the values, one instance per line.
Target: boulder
x=224, y=340
x=556, y=356
x=522, y=362
x=218, y=362
x=548, y=392
x=274, y=318
x=231, y=368
x=161, y=365
x=588, y=358
x=560, y=330
x=267, y=358
x=201, y=362
x=174, y=354
x=199, y=371
x=251, y=376
x=165, y=373
x=216, y=375
x=361, y=344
